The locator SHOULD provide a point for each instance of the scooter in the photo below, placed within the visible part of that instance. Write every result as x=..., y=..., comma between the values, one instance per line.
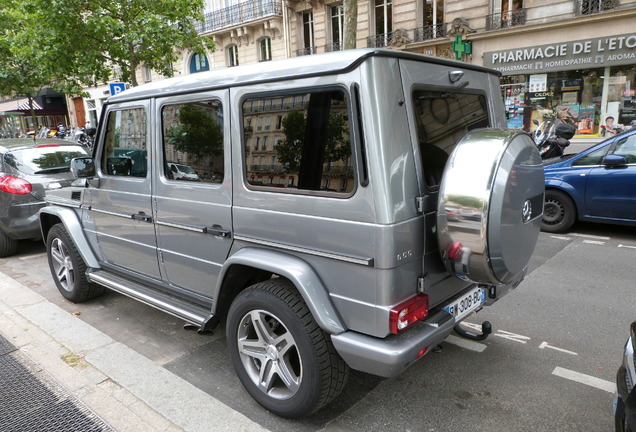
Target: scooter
x=553, y=144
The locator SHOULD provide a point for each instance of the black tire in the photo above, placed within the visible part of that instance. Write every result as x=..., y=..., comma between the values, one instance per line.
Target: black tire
x=68, y=268
x=288, y=344
x=559, y=212
x=8, y=246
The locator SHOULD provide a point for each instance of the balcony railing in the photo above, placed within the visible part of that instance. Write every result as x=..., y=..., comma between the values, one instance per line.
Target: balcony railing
x=421, y=34
x=241, y=13
x=590, y=7
x=506, y=19
x=336, y=46
x=380, y=40
x=305, y=51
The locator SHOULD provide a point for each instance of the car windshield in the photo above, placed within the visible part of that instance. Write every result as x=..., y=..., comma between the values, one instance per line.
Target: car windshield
x=186, y=169
x=39, y=160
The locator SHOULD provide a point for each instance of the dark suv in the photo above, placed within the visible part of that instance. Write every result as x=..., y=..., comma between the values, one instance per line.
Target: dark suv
x=27, y=169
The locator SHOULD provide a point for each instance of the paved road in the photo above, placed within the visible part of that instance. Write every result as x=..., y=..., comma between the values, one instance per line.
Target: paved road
x=549, y=366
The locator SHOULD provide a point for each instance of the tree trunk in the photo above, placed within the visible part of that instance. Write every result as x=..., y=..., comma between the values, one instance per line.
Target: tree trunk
x=351, y=23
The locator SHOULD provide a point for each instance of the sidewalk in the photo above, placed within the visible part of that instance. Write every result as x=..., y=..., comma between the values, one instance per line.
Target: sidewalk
x=58, y=364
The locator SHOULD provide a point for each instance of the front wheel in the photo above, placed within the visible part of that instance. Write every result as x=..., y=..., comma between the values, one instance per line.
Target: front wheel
x=68, y=268
x=283, y=358
x=559, y=212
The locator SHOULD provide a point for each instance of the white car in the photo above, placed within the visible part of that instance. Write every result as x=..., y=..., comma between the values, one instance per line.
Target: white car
x=183, y=172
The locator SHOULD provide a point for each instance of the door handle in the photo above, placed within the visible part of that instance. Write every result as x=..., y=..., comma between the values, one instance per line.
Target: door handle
x=141, y=216
x=217, y=230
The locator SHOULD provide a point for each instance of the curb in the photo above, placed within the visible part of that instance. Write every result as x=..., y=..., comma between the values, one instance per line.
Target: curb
x=127, y=390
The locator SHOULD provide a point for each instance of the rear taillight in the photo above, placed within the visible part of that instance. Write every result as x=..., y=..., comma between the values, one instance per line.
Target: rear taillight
x=408, y=313
x=15, y=185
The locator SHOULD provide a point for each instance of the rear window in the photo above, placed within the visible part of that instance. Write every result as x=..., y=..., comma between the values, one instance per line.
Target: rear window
x=443, y=117
x=43, y=160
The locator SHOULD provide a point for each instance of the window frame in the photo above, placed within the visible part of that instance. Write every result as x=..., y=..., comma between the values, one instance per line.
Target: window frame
x=292, y=179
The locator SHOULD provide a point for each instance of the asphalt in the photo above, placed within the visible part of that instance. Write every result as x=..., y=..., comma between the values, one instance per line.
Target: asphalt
x=53, y=365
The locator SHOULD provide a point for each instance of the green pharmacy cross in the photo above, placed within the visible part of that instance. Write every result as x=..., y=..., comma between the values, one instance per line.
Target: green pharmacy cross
x=460, y=47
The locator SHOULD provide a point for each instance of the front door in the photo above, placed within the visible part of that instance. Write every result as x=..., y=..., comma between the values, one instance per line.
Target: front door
x=193, y=190
x=121, y=208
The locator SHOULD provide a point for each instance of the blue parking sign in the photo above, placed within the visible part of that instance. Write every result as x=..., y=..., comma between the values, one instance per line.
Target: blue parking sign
x=116, y=88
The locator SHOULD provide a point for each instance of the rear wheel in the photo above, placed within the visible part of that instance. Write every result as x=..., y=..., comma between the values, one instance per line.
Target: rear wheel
x=68, y=268
x=559, y=212
x=8, y=246
x=282, y=357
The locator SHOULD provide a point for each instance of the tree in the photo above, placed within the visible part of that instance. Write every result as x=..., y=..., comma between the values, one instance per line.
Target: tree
x=351, y=23
x=197, y=133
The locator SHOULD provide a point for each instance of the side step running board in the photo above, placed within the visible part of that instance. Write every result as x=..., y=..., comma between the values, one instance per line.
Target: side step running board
x=192, y=313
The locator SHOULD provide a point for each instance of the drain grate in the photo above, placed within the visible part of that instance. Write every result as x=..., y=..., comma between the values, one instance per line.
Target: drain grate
x=33, y=401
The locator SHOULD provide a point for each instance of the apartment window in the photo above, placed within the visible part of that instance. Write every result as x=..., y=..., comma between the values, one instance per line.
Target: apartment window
x=268, y=122
x=383, y=16
x=337, y=27
x=147, y=74
x=232, y=56
x=433, y=13
x=264, y=143
x=308, y=32
x=199, y=63
x=279, y=122
x=265, y=53
x=589, y=7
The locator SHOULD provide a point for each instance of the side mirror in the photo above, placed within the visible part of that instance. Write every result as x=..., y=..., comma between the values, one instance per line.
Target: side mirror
x=91, y=132
x=614, y=160
x=83, y=167
x=119, y=165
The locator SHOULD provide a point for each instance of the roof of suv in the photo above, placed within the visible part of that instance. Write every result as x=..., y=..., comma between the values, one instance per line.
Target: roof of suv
x=296, y=67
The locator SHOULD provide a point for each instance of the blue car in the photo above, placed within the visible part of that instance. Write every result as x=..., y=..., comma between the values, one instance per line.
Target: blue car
x=596, y=185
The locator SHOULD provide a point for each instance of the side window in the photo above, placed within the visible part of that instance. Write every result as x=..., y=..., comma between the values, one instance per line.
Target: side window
x=192, y=138
x=627, y=147
x=125, y=151
x=593, y=158
x=314, y=151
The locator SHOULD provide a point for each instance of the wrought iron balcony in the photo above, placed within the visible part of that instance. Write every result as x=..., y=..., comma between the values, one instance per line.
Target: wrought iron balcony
x=380, y=40
x=590, y=7
x=305, y=51
x=241, y=13
x=506, y=19
x=336, y=46
x=421, y=34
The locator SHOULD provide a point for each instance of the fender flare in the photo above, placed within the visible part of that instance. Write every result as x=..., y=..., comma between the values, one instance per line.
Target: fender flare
x=71, y=222
x=300, y=273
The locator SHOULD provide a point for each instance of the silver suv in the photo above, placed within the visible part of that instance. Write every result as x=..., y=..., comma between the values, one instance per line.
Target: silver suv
x=351, y=209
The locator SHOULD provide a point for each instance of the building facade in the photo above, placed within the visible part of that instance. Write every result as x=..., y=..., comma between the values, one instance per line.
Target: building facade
x=570, y=58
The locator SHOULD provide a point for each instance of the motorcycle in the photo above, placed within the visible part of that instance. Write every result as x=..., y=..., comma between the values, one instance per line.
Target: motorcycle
x=552, y=137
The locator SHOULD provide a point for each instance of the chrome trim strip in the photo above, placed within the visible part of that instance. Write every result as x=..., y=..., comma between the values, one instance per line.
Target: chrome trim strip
x=180, y=226
x=354, y=260
x=112, y=213
x=63, y=203
x=146, y=299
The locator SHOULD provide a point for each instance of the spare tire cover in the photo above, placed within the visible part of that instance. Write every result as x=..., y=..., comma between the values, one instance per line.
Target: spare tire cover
x=490, y=206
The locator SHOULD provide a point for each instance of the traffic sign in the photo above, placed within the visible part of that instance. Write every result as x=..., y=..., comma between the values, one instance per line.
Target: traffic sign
x=116, y=88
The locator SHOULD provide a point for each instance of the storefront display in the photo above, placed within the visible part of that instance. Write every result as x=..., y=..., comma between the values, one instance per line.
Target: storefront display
x=583, y=83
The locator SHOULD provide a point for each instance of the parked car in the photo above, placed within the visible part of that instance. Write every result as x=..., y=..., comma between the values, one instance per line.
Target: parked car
x=27, y=169
x=182, y=172
x=327, y=251
x=625, y=401
x=596, y=185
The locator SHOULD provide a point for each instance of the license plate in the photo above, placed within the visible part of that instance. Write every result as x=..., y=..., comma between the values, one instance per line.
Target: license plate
x=467, y=303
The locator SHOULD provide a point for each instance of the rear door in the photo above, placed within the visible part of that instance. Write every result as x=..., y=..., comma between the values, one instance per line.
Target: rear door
x=193, y=213
x=121, y=208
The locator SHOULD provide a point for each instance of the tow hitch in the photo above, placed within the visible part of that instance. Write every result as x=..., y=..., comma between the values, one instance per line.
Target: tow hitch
x=486, y=329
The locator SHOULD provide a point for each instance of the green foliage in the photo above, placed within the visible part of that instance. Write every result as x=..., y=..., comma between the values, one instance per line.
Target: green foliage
x=197, y=133
x=69, y=44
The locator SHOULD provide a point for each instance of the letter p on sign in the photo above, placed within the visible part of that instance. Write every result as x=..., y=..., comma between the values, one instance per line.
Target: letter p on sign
x=116, y=88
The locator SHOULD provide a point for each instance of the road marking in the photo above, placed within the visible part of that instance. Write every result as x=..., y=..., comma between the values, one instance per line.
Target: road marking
x=591, y=236
x=466, y=343
x=34, y=256
x=626, y=246
x=561, y=237
x=546, y=345
x=591, y=381
x=512, y=336
x=596, y=242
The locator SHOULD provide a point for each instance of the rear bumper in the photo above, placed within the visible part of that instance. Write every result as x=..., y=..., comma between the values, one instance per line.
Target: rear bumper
x=390, y=356
x=21, y=221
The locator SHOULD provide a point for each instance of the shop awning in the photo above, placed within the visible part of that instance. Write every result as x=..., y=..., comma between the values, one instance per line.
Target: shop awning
x=19, y=105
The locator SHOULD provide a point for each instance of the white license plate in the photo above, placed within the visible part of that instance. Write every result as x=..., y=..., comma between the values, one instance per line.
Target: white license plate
x=467, y=303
